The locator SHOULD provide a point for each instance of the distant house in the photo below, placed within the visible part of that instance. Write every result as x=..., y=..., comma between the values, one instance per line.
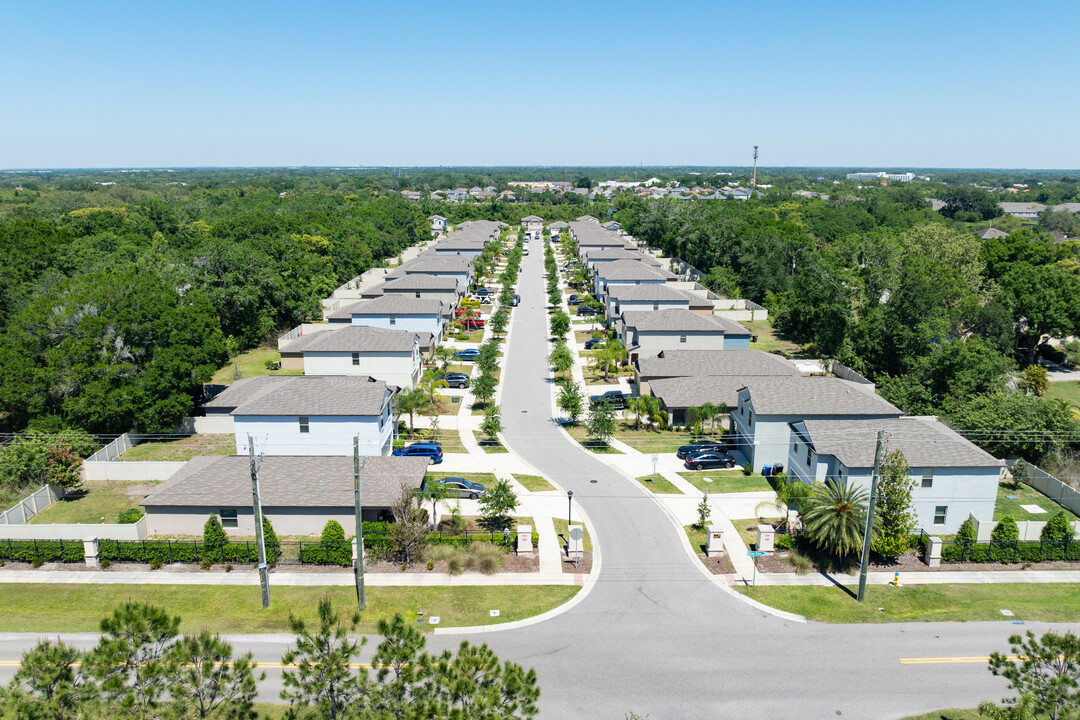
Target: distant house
x=557, y=227
x=767, y=406
x=711, y=363
x=438, y=225
x=458, y=267
x=457, y=195
x=1030, y=211
x=392, y=356
x=468, y=245
x=613, y=226
x=1073, y=207
x=953, y=478
x=411, y=195
x=507, y=196
x=650, y=296
x=308, y=414
x=991, y=233
x=299, y=495
x=648, y=333
x=594, y=256
x=397, y=312
x=533, y=225
x=588, y=218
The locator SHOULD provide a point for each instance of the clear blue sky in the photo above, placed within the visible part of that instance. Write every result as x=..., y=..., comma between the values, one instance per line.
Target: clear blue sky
x=949, y=83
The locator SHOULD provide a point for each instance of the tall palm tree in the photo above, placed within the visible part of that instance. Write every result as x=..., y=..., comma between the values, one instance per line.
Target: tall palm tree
x=835, y=517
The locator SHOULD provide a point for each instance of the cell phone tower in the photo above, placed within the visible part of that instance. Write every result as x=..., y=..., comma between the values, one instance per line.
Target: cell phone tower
x=753, y=180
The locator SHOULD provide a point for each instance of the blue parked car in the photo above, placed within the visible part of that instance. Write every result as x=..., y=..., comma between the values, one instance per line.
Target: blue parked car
x=469, y=354
x=594, y=342
x=430, y=450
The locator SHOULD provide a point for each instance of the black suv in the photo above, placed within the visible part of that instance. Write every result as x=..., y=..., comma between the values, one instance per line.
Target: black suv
x=700, y=445
x=587, y=310
x=709, y=459
x=616, y=398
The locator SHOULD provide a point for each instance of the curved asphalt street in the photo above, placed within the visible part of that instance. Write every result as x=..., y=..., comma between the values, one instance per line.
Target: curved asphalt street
x=654, y=635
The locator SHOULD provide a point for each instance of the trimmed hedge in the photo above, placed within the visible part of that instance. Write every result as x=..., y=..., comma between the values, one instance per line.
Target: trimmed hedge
x=30, y=551
x=1015, y=551
x=164, y=551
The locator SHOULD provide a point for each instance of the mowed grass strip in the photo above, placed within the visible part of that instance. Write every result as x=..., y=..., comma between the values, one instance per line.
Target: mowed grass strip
x=726, y=481
x=230, y=609
x=534, y=483
x=1051, y=602
x=98, y=499
x=181, y=450
x=660, y=485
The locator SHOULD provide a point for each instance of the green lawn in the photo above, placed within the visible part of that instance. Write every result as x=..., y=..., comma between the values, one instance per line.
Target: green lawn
x=99, y=499
x=534, y=483
x=1025, y=495
x=1069, y=391
x=772, y=342
x=581, y=336
x=493, y=447
x=579, y=433
x=650, y=441
x=472, y=336
x=230, y=609
x=448, y=439
x=561, y=529
x=660, y=485
x=747, y=530
x=181, y=450
x=726, y=481
x=950, y=714
x=250, y=364
x=1057, y=602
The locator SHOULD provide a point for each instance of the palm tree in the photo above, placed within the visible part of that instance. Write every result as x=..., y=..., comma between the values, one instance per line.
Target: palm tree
x=443, y=356
x=411, y=402
x=835, y=517
x=612, y=352
x=430, y=383
x=707, y=412
x=789, y=492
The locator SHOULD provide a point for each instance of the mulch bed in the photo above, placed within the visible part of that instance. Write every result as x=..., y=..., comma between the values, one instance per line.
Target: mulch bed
x=584, y=563
x=717, y=565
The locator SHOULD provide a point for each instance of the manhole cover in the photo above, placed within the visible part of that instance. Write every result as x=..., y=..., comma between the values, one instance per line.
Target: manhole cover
x=524, y=412
x=592, y=481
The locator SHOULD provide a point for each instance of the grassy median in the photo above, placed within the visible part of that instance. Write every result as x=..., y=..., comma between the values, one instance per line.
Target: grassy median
x=230, y=609
x=1050, y=602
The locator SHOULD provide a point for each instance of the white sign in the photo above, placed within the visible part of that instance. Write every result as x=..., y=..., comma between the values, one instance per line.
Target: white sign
x=494, y=613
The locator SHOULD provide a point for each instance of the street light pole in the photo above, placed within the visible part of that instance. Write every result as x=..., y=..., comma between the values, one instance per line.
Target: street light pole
x=569, y=507
x=358, y=563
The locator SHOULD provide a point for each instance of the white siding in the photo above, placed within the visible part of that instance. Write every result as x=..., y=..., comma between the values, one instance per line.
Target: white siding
x=402, y=369
x=280, y=435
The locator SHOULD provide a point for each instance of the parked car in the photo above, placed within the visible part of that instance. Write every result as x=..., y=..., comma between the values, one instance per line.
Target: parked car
x=594, y=342
x=432, y=451
x=458, y=380
x=587, y=310
x=525, y=251
x=458, y=487
x=699, y=446
x=574, y=300
x=483, y=292
x=515, y=301
x=617, y=398
x=472, y=323
x=468, y=354
x=462, y=311
x=709, y=459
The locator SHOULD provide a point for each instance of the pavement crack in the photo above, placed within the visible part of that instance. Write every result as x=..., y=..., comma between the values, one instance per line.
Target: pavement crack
x=654, y=602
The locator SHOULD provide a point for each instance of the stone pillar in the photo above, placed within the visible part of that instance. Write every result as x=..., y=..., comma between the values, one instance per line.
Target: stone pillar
x=933, y=552
x=524, y=540
x=714, y=541
x=90, y=551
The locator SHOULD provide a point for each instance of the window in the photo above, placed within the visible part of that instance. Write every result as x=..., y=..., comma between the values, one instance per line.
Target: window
x=656, y=306
x=228, y=517
x=356, y=358
x=807, y=456
x=304, y=424
x=928, y=478
x=939, y=514
x=682, y=338
x=393, y=318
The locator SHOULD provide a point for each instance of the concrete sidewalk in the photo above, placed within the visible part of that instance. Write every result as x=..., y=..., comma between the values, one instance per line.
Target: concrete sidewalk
x=941, y=577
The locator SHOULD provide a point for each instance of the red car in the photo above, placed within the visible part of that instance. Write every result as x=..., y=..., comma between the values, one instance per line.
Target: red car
x=472, y=323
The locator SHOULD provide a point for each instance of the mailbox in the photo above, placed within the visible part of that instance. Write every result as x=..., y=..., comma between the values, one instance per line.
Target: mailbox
x=524, y=540
x=714, y=541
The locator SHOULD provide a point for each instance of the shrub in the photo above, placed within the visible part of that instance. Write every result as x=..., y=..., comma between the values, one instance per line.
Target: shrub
x=214, y=537
x=1057, y=530
x=486, y=558
x=131, y=515
x=155, y=564
x=453, y=556
x=104, y=563
x=965, y=535
x=332, y=532
x=1006, y=531
x=800, y=562
x=206, y=563
x=784, y=542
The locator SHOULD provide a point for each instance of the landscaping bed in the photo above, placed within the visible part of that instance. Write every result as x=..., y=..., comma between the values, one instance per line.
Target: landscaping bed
x=716, y=565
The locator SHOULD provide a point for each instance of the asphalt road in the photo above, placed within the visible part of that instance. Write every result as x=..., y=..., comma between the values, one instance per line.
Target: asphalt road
x=658, y=638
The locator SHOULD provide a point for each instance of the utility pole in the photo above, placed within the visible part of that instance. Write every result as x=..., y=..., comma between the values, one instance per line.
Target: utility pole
x=753, y=180
x=358, y=563
x=870, y=508
x=260, y=540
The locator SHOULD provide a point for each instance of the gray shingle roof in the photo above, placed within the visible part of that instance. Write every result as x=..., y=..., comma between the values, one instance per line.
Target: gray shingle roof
x=390, y=304
x=242, y=390
x=287, y=481
x=434, y=263
x=807, y=396
x=631, y=270
x=705, y=363
x=1011, y=207
x=678, y=319
x=315, y=395
x=420, y=282
x=682, y=392
x=354, y=338
x=656, y=292
x=925, y=443
x=1067, y=207
x=990, y=233
x=558, y=225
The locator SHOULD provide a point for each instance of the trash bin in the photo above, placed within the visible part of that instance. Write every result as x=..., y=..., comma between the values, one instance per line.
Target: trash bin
x=766, y=470
x=777, y=468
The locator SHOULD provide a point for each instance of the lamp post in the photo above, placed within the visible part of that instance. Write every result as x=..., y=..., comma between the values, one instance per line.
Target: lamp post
x=569, y=507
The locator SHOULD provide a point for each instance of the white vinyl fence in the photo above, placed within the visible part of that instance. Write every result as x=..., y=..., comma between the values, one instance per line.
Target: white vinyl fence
x=31, y=505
